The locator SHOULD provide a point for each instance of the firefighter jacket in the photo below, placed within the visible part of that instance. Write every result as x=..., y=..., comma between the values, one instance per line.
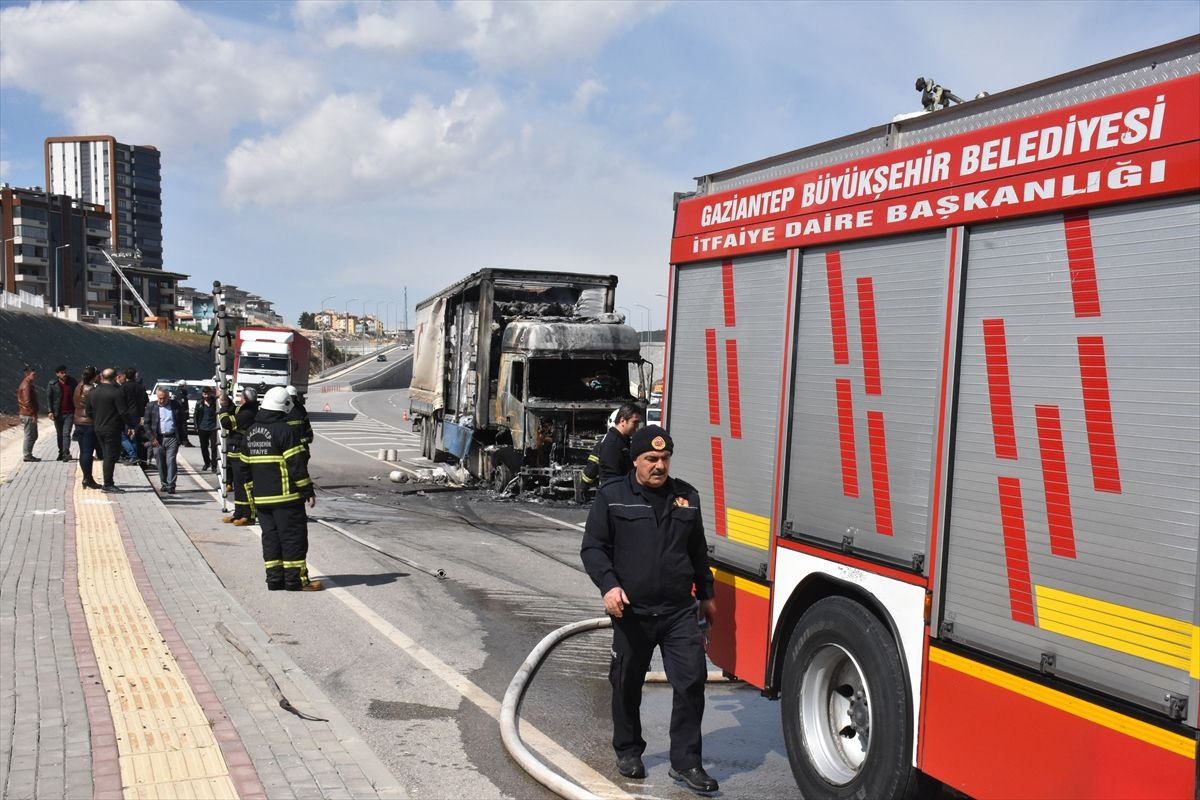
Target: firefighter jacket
x=235, y=424
x=298, y=419
x=608, y=459
x=656, y=560
x=277, y=461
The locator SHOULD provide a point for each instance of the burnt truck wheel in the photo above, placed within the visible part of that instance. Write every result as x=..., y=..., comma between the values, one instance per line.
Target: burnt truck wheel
x=846, y=711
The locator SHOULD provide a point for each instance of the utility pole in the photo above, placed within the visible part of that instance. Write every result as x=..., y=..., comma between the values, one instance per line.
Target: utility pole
x=220, y=352
x=406, y=308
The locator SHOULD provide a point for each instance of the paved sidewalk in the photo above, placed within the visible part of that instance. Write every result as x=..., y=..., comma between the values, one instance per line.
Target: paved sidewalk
x=129, y=671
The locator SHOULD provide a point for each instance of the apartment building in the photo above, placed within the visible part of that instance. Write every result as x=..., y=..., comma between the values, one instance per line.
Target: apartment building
x=124, y=179
x=52, y=249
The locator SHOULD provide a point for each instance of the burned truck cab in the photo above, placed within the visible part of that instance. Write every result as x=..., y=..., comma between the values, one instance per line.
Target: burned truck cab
x=515, y=373
x=558, y=381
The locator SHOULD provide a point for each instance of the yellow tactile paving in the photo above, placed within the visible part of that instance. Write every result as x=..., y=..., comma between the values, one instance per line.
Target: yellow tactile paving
x=165, y=742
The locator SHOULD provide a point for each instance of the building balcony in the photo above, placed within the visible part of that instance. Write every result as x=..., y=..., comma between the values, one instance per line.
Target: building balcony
x=30, y=277
x=37, y=223
x=24, y=258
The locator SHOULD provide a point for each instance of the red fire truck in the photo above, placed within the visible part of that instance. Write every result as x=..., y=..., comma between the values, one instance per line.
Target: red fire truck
x=938, y=384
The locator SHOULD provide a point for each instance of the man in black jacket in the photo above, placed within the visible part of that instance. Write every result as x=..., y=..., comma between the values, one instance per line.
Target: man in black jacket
x=278, y=464
x=136, y=398
x=644, y=548
x=61, y=408
x=107, y=406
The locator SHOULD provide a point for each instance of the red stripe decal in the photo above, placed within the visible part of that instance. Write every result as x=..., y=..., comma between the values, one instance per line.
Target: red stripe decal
x=735, y=393
x=727, y=293
x=1082, y=262
x=714, y=392
x=837, y=307
x=1097, y=415
x=845, y=413
x=996, y=353
x=880, y=486
x=870, y=336
x=1016, y=554
x=1054, y=478
x=718, y=475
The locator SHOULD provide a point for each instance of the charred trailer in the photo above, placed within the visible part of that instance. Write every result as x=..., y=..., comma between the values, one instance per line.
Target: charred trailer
x=516, y=372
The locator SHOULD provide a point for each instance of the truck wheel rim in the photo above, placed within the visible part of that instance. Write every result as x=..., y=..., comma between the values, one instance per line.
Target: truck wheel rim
x=835, y=713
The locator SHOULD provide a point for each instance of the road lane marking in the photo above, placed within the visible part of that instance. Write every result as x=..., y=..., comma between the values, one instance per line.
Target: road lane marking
x=552, y=519
x=570, y=765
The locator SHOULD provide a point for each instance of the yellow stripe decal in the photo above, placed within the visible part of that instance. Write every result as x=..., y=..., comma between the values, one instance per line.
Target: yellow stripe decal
x=1153, y=637
x=742, y=584
x=748, y=529
x=1143, y=731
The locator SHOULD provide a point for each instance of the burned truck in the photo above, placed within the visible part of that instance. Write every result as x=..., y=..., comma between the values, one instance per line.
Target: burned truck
x=516, y=372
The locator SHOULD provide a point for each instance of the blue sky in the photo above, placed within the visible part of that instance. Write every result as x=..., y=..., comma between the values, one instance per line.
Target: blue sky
x=356, y=148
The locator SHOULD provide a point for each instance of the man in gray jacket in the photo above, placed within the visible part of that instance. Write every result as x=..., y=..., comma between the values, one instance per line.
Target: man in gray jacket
x=165, y=421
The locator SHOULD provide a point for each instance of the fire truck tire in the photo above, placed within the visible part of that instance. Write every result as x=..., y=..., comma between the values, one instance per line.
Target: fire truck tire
x=846, y=711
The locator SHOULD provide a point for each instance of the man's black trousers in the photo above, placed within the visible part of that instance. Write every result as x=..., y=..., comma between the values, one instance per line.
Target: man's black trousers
x=678, y=636
x=243, y=504
x=285, y=545
x=110, y=448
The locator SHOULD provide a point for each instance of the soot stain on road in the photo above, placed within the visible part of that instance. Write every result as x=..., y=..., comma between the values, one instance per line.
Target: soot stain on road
x=398, y=710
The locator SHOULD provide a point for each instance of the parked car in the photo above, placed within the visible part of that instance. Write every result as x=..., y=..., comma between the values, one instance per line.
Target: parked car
x=654, y=415
x=381, y=357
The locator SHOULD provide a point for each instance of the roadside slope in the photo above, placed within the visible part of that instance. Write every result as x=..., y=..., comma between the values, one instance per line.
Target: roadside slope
x=45, y=342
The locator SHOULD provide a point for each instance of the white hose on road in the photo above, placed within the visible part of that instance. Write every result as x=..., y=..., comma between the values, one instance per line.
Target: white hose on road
x=516, y=691
x=512, y=703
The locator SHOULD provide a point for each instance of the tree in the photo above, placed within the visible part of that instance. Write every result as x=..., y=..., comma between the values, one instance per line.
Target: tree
x=308, y=320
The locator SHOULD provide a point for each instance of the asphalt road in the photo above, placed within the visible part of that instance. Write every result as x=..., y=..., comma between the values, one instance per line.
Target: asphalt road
x=420, y=663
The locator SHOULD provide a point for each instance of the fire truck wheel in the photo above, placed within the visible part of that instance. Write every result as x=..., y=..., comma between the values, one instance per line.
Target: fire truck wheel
x=846, y=711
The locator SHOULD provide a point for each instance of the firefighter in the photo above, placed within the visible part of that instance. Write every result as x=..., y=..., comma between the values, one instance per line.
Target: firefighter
x=235, y=426
x=644, y=548
x=278, y=466
x=298, y=417
x=610, y=457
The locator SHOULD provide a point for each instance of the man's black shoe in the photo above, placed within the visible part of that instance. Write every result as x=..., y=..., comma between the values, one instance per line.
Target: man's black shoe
x=112, y=489
x=696, y=779
x=631, y=767
x=90, y=484
x=32, y=458
x=273, y=586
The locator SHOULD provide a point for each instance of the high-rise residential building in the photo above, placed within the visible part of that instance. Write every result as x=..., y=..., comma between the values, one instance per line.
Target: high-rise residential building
x=125, y=179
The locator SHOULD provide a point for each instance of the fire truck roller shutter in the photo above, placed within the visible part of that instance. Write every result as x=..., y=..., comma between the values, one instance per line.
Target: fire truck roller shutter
x=1073, y=525
x=728, y=340
x=864, y=412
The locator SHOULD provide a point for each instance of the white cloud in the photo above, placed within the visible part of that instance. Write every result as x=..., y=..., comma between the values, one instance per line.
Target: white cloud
x=151, y=73
x=347, y=147
x=517, y=35
x=585, y=93
x=5, y=167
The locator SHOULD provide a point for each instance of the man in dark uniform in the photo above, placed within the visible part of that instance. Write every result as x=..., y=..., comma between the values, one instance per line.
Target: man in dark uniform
x=610, y=457
x=278, y=465
x=243, y=503
x=644, y=547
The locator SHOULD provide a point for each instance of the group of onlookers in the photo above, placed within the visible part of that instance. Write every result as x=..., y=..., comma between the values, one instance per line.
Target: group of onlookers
x=268, y=441
x=110, y=415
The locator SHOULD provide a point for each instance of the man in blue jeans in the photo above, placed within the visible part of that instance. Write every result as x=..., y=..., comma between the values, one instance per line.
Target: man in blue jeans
x=165, y=420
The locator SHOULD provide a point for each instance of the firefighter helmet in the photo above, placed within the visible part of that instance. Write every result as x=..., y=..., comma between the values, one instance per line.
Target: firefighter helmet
x=277, y=400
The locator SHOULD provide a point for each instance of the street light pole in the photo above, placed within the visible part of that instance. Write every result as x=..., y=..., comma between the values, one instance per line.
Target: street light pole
x=643, y=308
x=322, y=333
x=58, y=276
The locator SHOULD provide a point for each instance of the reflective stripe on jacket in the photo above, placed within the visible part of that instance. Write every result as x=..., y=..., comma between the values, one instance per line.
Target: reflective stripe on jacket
x=277, y=460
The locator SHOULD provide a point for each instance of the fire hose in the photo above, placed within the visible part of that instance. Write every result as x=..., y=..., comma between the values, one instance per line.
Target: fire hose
x=516, y=692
